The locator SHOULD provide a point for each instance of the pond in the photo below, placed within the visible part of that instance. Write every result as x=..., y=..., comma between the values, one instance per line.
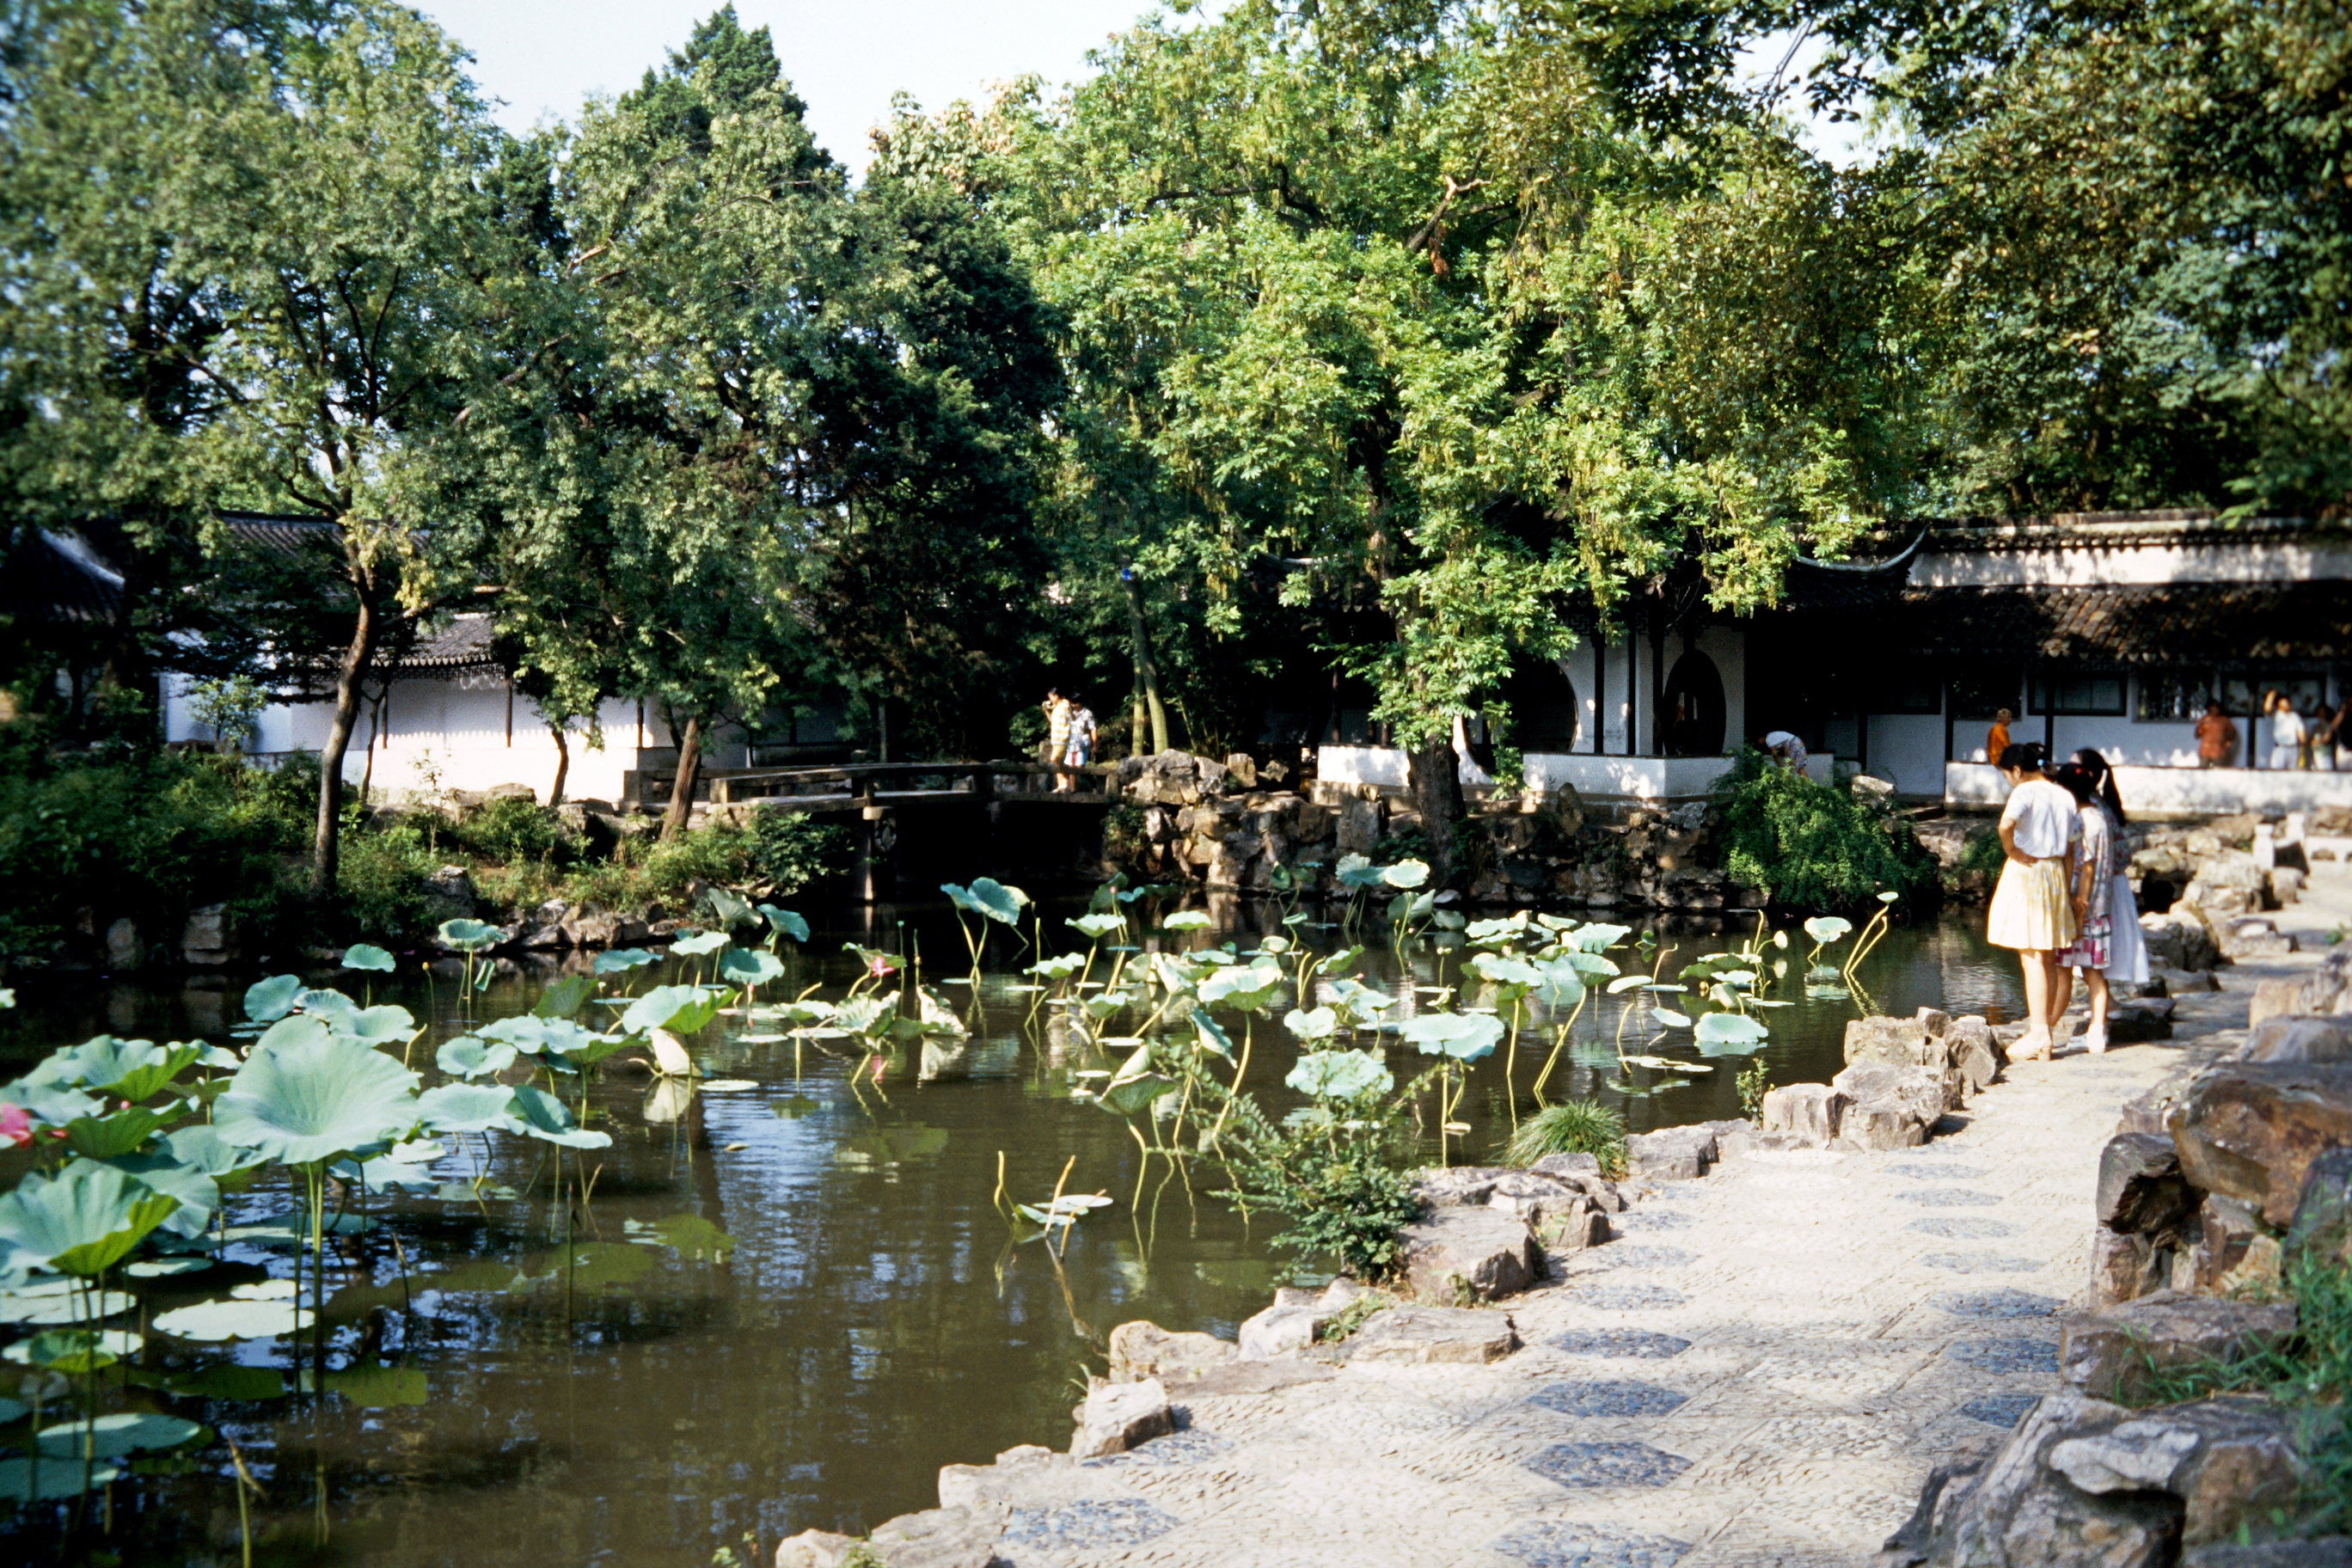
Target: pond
x=787, y=1303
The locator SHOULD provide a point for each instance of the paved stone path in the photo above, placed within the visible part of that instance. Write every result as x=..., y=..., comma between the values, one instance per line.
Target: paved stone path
x=1761, y=1371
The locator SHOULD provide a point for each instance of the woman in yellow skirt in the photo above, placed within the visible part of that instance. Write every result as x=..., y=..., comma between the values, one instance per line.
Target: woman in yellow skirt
x=2032, y=907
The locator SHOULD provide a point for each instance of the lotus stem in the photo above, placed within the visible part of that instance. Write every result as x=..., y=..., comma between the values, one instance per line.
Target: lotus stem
x=1053, y=1208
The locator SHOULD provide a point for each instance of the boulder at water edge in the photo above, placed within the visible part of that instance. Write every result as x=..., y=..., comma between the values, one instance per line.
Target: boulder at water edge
x=2250, y=1131
x=2119, y=1350
x=1457, y=1335
x=1458, y=1253
x=1143, y=1350
x=1119, y=1416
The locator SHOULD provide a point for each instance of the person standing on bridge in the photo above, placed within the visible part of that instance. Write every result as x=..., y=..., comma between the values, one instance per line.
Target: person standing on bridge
x=1082, y=742
x=1058, y=732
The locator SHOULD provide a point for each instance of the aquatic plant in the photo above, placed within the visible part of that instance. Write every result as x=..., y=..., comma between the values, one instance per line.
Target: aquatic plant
x=989, y=902
x=1572, y=1126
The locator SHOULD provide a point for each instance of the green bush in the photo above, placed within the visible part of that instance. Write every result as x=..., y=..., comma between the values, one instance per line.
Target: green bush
x=1342, y=1172
x=1572, y=1127
x=143, y=836
x=1812, y=846
x=381, y=876
x=791, y=849
x=715, y=854
x=509, y=830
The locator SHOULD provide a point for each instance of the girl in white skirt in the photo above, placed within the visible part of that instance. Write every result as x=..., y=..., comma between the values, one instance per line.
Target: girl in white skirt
x=2031, y=910
x=2110, y=950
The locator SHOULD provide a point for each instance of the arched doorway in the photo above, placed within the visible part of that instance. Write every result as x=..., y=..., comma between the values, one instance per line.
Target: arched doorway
x=1545, y=713
x=1691, y=714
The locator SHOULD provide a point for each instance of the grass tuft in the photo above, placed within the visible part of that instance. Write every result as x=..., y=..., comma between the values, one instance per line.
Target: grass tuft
x=1572, y=1127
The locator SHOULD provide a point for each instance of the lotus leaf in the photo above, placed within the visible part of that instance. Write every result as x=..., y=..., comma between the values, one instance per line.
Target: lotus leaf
x=112, y=1436
x=1060, y=968
x=1340, y=1074
x=1096, y=927
x=563, y=997
x=1560, y=983
x=1407, y=874
x=731, y=908
x=544, y=1117
x=1239, y=985
x=52, y=1479
x=681, y=1009
x=998, y=902
x=1601, y=938
x=299, y=1029
x=201, y=1147
x=83, y=1219
x=197, y=1194
x=1464, y=1036
x=701, y=944
x=1589, y=965
x=1356, y=871
x=305, y=1101
x=1734, y=1034
x=1670, y=1018
x=124, y=1069
x=49, y=1102
x=1103, y=1006
x=39, y=1305
x=1826, y=929
x=1212, y=1037
x=375, y=1025
x=751, y=966
x=166, y=1267
x=1065, y=1210
x=1627, y=982
x=362, y=955
x=266, y=1001
x=1513, y=976
x=379, y=1387
x=865, y=1015
x=470, y=1056
x=466, y=1106
x=234, y=1319
x=784, y=922
x=1186, y=920
x=101, y=1137
x=620, y=960
x=467, y=936
x=1319, y=1025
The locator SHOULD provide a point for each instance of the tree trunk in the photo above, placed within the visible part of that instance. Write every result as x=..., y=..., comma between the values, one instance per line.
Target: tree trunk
x=682, y=791
x=349, y=675
x=375, y=733
x=563, y=766
x=1434, y=778
x=1147, y=669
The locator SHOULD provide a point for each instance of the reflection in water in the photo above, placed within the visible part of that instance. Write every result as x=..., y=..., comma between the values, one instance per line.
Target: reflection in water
x=785, y=1306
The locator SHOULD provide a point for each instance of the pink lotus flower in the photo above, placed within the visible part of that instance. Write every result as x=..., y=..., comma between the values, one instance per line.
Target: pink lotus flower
x=15, y=1125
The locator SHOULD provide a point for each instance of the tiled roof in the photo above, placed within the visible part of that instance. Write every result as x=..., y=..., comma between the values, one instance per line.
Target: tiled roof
x=463, y=643
x=57, y=577
x=2142, y=625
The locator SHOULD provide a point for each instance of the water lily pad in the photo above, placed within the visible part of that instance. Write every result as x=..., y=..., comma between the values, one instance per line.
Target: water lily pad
x=113, y=1436
x=1466, y=1036
x=266, y=1001
x=229, y=1319
x=18, y=1307
x=52, y=1479
x=364, y=956
x=726, y=1085
x=82, y=1220
x=544, y=1117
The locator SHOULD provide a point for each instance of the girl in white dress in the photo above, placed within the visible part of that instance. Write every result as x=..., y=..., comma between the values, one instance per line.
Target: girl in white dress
x=2109, y=950
x=2033, y=911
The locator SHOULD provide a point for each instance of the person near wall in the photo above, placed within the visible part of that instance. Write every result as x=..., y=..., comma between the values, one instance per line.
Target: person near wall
x=1784, y=747
x=1997, y=738
x=1058, y=731
x=2288, y=731
x=2032, y=909
x=2107, y=948
x=2217, y=737
x=1082, y=740
x=2319, y=737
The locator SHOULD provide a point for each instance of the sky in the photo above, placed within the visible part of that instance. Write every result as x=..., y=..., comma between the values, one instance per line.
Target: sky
x=541, y=58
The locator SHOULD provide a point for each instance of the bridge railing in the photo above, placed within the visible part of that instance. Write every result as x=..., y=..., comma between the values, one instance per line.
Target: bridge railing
x=867, y=784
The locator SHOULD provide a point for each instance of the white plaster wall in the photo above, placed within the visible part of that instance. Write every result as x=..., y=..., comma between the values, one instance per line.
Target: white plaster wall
x=2164, y=792
x=1908, y=750
x=1602, y=778
x=2250, y=559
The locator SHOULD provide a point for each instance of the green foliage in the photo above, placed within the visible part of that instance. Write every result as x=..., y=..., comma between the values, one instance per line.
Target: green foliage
x=381, y=878
x=509, y=829
x=790, y=849
x=1341, y=1170
x=1754, y=1083
x=1812, y=846
x=1982, y=853
x=148, y=836
x=1572, y=1127
x=230, y=709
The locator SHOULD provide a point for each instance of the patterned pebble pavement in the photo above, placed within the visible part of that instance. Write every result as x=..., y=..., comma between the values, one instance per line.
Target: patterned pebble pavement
x=1762, y=1369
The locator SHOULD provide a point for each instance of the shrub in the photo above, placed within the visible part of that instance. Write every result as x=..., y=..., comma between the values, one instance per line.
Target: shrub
x=509, y=830
x=1812, y=846
x=1341, y=1170
x=716, y=854
x=1572, y=1126
x=791, y=849
x=381, y=876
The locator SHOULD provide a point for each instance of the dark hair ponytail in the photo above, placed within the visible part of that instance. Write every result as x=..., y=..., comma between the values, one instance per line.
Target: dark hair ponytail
x=2102, y=779
x=2025, y=756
